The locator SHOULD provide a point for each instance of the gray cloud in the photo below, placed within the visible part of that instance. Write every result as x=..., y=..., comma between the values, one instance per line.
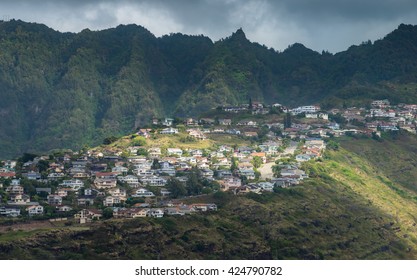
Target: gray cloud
x=319, y=24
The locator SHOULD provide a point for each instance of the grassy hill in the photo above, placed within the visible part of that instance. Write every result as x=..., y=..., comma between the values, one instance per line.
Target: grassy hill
x=181, y=140
x=393, y=155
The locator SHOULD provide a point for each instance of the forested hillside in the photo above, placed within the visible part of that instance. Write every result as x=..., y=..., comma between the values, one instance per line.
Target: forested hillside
x=67, y=90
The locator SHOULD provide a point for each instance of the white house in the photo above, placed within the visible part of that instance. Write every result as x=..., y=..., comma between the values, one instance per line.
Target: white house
x=266, y=186
x=165, y=192
x=111, y=200
x=119, y=169
x=154, y=152
x=105, y=183
x=35, y=210
x=316, y=143
x=131, y=180
x=231, y=183
x=324, y=116
x=225, y=122
x=10, y=211
x=154, y=181
x=305, y=109
x=207, y=173
x=55, y=176
x=380, y=103
x=74, y=184
x=15, y=189
x=196, y=133
x=19, y=199
x=248, y=173
x=144, y=172
x=204, y=207
x=311, y=116
x=143, y=193
x=64, y=208
x=174, y=151
x=54, y=199
x=118, y=192
x=197, y=153
x=169, y=130
x=156, y=213
x=168, y=122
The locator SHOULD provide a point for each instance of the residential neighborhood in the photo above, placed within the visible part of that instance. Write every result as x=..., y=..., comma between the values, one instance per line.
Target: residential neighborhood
x=153, y=180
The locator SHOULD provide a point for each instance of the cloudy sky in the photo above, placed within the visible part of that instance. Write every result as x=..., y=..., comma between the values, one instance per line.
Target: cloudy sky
x=331, y=25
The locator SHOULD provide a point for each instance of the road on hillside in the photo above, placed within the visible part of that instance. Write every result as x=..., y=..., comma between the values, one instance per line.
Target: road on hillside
x=291, y=148
x=266, y=169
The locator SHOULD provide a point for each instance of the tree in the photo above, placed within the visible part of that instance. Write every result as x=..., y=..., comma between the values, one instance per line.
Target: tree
x=262, y=133
x=276, y=169
x=42, y=165
x=257, y=162
x=214, y=160
x=244, y=180
x=125, y=154
x=49, y=211
x=142, y=152
x=107, y=213
x=257, y=175
x=215, y=186
x=109, y=140
x=338, y=118
x=233, y=166
x=194, y=186
x=156, y=164
x=27, y=157
x=176, y=187
x=138, y=141
x=287, y=120
x=332, y=145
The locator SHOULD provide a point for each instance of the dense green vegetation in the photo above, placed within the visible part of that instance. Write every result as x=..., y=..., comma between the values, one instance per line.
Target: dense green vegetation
x=65, y=90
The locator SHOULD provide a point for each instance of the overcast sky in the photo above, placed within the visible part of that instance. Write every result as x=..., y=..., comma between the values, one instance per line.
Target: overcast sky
x=331, y=25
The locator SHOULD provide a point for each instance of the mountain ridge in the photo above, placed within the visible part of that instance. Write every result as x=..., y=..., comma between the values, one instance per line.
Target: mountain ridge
x=71, y=89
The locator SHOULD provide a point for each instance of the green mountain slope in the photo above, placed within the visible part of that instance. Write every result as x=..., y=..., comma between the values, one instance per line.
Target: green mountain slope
x=347, y=210
x=65, y=90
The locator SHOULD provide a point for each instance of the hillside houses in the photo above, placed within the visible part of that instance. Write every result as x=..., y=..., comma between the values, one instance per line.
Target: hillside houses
x=174, y=152
x=10, y=211
x=105, y=183
x=225, y=122
x=119, y=177
x=74, y=184
x=196, y=133
x=142, y=192
x=169, y=130
x=131, y=180
x=35, y=210
x=154, y=181
x=305, y=109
